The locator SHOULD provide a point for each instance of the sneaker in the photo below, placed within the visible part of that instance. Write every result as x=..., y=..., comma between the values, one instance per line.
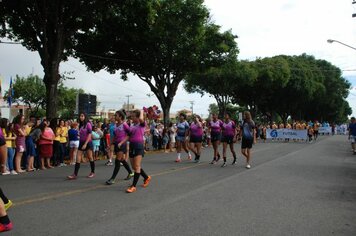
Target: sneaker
x=234, y=162
x=6, y=173
x=178, y=160
x=72, y=177
x=213, y=162
x=62, y=165
x=248, y=166
x=91, y=175
x=224, y=164
x=129, y=176
x=6, y=227
x=189, y=156
x=8, y=205
x=196, y=161
x=110, y=182
x=109, y=163
x=13, y=172
x=146, y=182
x=131, y=189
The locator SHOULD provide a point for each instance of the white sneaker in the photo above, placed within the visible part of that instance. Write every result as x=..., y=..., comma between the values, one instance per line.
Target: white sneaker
x=13, y=172
x=248, y=166
x=6, y=173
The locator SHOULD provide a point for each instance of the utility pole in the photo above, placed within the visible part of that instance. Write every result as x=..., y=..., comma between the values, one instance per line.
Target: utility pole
x=128, y=102
x=354, y=14
x=192, y=106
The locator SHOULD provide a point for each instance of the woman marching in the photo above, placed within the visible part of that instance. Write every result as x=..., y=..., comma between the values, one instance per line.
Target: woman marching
x=196, y=137
x=136, y=152
x=121, y=136
x=182, y=134
x=228, y=138
x=85, y=145
x=248, y=137
x=5, y=223
x=215, y=130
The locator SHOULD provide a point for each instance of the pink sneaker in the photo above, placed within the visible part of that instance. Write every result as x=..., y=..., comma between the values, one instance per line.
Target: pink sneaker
x=189, y=157
x=7, y=227
x=72, y=177
x=91, y=175
x=178, y=160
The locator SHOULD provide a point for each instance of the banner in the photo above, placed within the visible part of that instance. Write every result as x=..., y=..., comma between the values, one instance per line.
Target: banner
x=287, y=133
x=324, y=130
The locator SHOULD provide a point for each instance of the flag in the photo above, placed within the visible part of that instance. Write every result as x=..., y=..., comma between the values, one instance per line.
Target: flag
x=11, y=93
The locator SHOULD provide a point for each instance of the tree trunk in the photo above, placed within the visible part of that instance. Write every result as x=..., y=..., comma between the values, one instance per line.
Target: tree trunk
x=51, y=80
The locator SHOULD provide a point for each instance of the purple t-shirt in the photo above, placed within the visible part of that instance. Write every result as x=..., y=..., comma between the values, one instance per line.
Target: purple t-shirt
x=136, y=132
x=215, y=126
x=229, y=129
x=120, y=132
x=1, y=134
x=84, y=132
x=196, y=130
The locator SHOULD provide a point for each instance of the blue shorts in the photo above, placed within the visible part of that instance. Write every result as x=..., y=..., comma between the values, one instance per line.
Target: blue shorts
x=122, y=148
x=194, y=139
x=227, y=139
x=88, y=147
x=180, y=139
x=215, y=137
x=136, y=149
x=30, y=147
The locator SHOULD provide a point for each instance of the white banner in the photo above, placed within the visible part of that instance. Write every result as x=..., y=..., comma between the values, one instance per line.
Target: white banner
x=287, y=133
x=324, y=130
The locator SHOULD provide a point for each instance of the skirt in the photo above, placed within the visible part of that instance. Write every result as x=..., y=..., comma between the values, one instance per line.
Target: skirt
x=46, y=150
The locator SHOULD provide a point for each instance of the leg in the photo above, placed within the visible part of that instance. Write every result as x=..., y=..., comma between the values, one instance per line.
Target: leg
x=4, y=219
x=233, y=152
x=18, y=162
x=10, y=158
x=3, y=156
x=43, y=163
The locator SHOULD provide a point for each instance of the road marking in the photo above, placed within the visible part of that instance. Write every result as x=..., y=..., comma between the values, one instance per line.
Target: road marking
x=99, y=186
x=95, y=187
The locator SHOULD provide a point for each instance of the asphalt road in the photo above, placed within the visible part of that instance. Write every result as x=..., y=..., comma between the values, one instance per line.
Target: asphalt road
x=292, y=189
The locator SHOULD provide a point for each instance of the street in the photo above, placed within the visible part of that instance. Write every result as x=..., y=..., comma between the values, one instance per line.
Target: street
x=291, y=189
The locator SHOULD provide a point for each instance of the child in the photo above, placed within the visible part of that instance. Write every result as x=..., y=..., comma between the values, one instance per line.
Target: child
x=165, y=139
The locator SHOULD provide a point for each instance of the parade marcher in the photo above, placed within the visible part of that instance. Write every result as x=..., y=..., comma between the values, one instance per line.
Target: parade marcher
x=85, y=145
x=215, y=131
x=228, y=138
x=196, y=137
x=352, y=134
x=182, y=134
x=248, y=137
x=5, y=223
x=121, y=136
x=137, y=151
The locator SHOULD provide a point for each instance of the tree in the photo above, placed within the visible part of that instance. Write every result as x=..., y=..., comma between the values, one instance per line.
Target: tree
x=30, y=90
x=50, y=28
x=213, y=109
x=160, y=41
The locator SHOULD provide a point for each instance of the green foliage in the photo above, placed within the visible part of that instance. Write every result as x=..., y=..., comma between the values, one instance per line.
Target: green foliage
x=160, y=41
x=31, y=91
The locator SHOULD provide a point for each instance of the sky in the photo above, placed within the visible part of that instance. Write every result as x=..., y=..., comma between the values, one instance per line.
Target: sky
x=264, y=29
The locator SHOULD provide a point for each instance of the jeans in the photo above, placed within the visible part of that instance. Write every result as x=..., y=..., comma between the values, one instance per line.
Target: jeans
x=10, y=158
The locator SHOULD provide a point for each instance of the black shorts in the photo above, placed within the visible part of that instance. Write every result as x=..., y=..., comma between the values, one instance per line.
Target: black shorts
x=316, y=132
x=227, y=139
x=195, y=139
x=136, y=149
x=246, y=143
x=122, y=148
x=2, y=142
x=88, y=147
x=215, y=137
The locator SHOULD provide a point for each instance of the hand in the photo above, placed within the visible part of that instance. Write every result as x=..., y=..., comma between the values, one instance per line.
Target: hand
x=84, y=147
x=119, y=145
x=254, y=141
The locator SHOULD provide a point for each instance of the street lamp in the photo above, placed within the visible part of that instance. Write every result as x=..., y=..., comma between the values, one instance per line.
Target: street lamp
x=335, y=41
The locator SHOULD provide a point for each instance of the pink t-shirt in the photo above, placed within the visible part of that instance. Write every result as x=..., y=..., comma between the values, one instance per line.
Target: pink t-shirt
x=47, y=133
x=120, y=132
x=136, y=132
x=84, y=132
x=229, y=129
x=196, y=130
x=215, y=126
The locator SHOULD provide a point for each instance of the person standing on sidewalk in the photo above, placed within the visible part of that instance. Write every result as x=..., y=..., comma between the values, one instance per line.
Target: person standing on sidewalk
x=248, y=135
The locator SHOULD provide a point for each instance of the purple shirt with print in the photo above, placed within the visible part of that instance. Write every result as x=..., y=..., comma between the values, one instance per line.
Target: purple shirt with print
x=215, y=126
x=136, y=132
x=120, y=132
x=84, y=132
x=196, y=130
x=229, y=129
